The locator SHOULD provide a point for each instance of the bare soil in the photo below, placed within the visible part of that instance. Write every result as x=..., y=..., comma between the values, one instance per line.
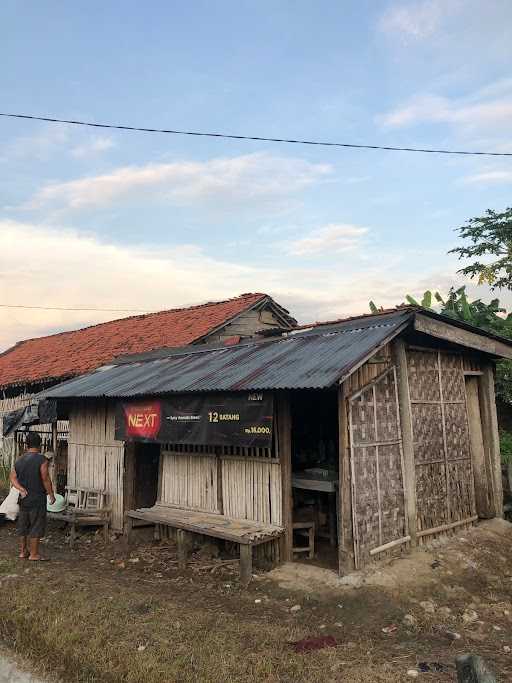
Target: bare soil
x=106, y=613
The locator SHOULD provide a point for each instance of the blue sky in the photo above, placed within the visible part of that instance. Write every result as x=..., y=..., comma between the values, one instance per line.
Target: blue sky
x=123, y=220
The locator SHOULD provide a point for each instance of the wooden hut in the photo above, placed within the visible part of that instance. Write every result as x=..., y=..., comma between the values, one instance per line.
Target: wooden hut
x=34, y=365
x=372, y=435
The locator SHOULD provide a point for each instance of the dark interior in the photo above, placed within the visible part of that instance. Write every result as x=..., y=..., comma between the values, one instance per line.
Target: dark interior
x=147, y=463
x=315, y=466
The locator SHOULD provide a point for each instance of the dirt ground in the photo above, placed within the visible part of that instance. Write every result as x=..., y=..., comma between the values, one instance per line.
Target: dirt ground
x=103, y=613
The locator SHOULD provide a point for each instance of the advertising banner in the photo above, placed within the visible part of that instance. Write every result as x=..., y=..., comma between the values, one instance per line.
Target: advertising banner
x=220, y=420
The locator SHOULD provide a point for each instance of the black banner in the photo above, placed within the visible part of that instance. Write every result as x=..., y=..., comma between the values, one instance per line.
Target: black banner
x=219, y=420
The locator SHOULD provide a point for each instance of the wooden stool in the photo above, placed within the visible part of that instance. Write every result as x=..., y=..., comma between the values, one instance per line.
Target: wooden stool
x=306, y=529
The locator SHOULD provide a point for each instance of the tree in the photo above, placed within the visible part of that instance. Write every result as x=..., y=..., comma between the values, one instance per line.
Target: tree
x=490, y=236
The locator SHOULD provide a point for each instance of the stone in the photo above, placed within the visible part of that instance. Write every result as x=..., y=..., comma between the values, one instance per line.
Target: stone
x=469, y=616
x=409, y=620
x=506, y=648
x=453, y=635
x=428, y=606
x=295, y=608
x=413, y=673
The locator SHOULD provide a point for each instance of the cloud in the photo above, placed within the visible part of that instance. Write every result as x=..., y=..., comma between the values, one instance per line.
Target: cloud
x=251, y=176
x=489, y=178
x=91, y=147
x=334, y=238
x=43, y=266
x=417, y=20
x=489, y=107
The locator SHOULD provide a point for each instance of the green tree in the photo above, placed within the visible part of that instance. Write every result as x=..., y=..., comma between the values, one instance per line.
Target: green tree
x=490, y=239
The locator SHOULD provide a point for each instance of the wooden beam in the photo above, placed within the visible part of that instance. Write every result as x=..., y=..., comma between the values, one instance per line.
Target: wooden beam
x=345, y=531
x=457, y=335
x=491, y=439
x=404, y=402
x=284, y=438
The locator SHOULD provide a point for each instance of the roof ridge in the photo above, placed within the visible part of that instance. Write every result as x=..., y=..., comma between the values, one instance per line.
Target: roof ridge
x=139, y=316
x=337, y=321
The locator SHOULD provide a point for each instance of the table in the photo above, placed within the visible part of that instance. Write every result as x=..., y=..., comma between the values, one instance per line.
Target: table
x=316, y=482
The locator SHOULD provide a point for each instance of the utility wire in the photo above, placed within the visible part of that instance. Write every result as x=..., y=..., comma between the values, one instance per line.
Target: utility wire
x=62, y=308
x=257, y=138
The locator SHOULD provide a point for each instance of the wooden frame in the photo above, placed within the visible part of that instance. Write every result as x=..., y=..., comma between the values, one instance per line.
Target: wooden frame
x=284, y=452
x=460, y=336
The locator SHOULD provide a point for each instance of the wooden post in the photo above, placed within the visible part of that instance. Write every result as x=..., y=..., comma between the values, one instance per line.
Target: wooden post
x=345, y=532
x=129, y=476
x=483, y=488
x=491, y=440
x=245, y=564
x=181, y=543
x=404, y=402
x=284, y=436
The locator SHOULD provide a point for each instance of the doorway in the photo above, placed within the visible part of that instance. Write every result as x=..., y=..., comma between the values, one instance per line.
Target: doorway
x=482, y=477
x=147, y=467
x=315, y=465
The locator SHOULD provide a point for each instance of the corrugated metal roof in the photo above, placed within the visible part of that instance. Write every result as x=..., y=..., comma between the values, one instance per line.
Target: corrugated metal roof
x=313, y=359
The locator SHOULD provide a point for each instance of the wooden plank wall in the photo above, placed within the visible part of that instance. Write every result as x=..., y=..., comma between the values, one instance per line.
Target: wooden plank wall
x=251, y=489
x=95, y=458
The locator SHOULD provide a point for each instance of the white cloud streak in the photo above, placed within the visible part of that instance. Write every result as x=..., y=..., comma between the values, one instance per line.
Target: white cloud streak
x=57, y=267
x=334, y=238
x=495, y=177
x=251, y=176
x=92, y=147
x=417, y=20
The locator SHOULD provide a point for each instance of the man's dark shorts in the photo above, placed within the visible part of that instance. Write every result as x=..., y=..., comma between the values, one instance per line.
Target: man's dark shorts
x=32, y=522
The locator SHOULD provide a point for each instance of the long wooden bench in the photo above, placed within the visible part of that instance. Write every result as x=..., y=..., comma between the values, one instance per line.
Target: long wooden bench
x=245, y=532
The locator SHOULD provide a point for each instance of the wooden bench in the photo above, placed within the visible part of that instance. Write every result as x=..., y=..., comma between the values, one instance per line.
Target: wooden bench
x=245, y=532
x=84, y=507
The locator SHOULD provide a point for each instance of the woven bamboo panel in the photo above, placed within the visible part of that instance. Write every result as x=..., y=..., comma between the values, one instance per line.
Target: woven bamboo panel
x=366, y=504
x=363, y=428
x=423, y=376
x=427, y=428
x=452, y=378
x=386, y=407
x=378, y=504
x=442, y=451
x=431, y=495
x=461, y=490
x=457, y=434
x=392, y=493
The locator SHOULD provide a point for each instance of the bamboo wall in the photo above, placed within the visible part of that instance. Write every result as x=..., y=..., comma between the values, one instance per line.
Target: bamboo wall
x=445, y=489
x=95, y=458
x=242, y=486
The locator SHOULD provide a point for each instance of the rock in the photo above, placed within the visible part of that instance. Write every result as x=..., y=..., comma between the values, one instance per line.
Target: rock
x=141, y=648
x=428, y=606
x=413, y=673
x=295, y=608
x=409, y=620
x=134, y=560
x=452, y=635
x=257, y=601
x=444, y=611
x=506, y=649
x=469, y=616
x=390, y=629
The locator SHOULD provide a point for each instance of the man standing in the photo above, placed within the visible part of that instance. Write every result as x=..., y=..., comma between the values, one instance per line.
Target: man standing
x=30, y=476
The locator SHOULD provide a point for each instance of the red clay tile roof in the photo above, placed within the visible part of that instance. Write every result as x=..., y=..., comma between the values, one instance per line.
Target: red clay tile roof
x=67, y=354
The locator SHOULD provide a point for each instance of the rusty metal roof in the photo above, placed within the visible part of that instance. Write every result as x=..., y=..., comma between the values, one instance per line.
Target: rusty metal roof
x=316, y=358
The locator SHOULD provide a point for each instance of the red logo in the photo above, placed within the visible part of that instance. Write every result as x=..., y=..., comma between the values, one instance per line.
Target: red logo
x=143, y=421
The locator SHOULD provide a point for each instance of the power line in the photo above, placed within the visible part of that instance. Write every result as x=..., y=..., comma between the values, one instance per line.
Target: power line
x=62, y=308
x=256, y=137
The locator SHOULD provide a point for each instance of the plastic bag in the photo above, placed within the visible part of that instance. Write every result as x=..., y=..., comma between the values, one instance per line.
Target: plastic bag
x=10, y=507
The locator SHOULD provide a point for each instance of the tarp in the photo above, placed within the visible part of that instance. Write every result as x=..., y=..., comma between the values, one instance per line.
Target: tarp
x=44, y=412
x=221, y=420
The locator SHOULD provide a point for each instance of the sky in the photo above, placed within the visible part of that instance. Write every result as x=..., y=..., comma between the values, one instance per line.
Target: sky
x=93, y=218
